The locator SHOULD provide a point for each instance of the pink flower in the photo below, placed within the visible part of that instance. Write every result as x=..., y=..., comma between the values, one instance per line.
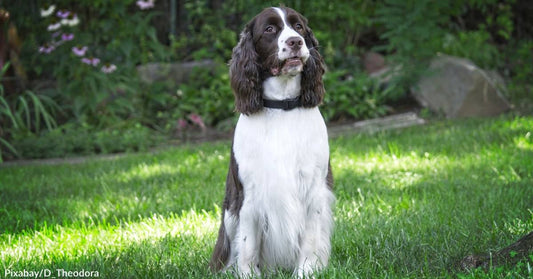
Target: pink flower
x=46, y=48
x=67, y=37
x=79, y=50
x=197, y=119
x=109, y=68
x=182, y=123
x=143, y=5
x=91, y=61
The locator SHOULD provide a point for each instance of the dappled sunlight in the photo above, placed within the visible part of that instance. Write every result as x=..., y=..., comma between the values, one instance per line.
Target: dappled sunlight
x=71, y=242
x=193, y=160
x=520, y=227
x=524, y=142
x=147, y=171
x=399, y=171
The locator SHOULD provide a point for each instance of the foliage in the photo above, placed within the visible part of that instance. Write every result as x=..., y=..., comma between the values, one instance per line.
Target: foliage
x=167, y=103
x=413, y=32
x=410, y=204
x=100, y=88
x=71, y=140
x=520, y=55
x=90, y=92
x=25, y=113
x=352, y=97
x=474, y=45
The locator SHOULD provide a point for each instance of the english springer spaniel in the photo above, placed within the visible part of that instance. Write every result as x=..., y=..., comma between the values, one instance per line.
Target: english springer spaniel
x=277, y=211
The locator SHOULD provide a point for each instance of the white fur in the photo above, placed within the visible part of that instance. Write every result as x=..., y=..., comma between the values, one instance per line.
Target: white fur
x=284, y=51
x=285, y=220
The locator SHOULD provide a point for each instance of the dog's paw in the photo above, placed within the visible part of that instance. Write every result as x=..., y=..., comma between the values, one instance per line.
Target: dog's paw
x=307, y=270
x=248, y=271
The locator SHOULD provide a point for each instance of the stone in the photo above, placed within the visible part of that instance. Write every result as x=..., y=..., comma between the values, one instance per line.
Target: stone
x=174, y=72
x=458, y=88
x=373, y=62
x=390, y=122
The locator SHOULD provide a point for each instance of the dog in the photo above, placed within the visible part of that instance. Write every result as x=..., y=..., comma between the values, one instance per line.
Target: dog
x=277, y=210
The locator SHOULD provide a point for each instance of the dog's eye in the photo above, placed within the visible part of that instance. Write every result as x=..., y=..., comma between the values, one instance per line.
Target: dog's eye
x=270, y=29
x=298, y=27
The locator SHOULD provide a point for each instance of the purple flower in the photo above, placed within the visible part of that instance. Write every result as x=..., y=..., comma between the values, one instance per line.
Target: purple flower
x=79, y=50
x=197, y=119
x=62, y=13
x=46, y=48
x=67, y=37
x=143, y=5
x=109, y=68
x=90, y=61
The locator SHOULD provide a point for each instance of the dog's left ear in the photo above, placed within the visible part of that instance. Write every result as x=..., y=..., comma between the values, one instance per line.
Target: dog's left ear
x=312, y=86
x=245, y=74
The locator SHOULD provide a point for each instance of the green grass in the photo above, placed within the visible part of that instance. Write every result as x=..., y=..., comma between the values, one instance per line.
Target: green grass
x=410, y=204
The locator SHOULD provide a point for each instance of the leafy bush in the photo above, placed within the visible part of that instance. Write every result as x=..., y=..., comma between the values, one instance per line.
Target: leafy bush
x=520, y=55
x=474, y=45
x=23, y=113
x=206, y=94
x=84, y=56
x=350, y=97
x=71, y=140
x=100, y=89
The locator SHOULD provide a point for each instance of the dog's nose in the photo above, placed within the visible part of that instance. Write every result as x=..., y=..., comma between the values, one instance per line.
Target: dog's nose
x=295, y=43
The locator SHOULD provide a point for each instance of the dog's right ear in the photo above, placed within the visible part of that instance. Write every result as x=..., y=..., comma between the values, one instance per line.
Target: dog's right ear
x=245, y=74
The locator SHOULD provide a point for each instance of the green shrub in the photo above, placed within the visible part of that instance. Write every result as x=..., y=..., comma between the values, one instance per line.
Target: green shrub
x=97, y=85
x=206, y=93
x=23, y=113
x=75, y=140
x=520, y=89
x=350, y=97
x=474, y=45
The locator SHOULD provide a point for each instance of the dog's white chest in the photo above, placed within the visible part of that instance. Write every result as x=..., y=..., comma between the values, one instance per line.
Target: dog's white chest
x=276, y=144
x=282, y=158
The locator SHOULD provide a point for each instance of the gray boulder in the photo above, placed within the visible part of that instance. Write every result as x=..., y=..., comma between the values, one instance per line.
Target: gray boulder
x=174, y=72
x=458, y=88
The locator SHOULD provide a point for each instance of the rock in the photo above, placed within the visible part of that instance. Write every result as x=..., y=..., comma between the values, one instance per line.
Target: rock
x=175, y=72
x=458, y=88
x=390, y=122
x=377, y=68
x=373, y=62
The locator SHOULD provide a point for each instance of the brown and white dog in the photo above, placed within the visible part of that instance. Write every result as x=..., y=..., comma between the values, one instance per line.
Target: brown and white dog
x=277, y=211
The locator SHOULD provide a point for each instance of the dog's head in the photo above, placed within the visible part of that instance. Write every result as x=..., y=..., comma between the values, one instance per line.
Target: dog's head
x=276, y=42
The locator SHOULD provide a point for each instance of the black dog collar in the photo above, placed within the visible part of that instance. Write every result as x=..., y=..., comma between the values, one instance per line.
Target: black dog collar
x=286, y=104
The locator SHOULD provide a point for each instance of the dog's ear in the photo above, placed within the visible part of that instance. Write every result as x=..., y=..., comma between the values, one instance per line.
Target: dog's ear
x=312, y=86
x=245, y=74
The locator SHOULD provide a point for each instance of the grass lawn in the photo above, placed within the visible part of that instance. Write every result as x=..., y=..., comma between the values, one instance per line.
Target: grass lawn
x=410, y=203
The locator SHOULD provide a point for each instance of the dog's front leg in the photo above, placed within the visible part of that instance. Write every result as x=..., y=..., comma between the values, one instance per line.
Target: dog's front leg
x=248, y=242
x=315, y=244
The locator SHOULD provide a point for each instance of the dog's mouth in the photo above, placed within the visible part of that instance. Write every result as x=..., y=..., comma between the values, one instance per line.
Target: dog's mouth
x=290, y=66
